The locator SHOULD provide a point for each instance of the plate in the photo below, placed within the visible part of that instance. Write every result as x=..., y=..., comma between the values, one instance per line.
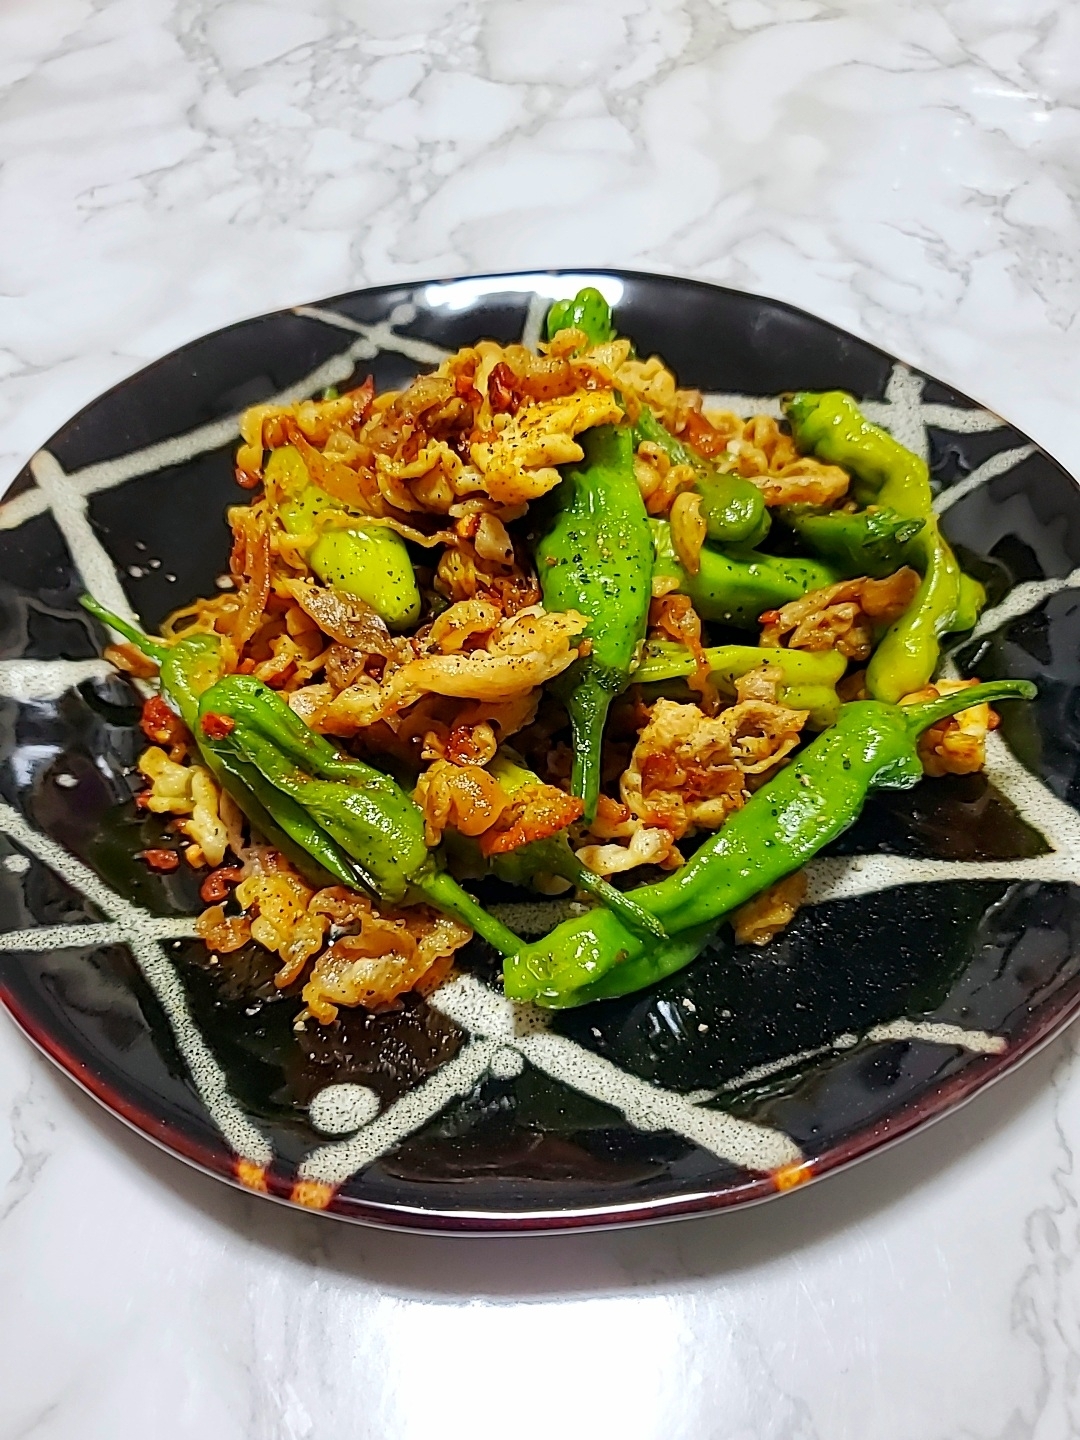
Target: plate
x=938, y=950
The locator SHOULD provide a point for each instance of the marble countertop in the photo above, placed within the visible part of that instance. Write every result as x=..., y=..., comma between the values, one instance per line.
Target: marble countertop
x=910, y=172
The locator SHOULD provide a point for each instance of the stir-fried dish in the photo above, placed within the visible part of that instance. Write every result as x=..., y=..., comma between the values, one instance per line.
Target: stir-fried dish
x=548, y=618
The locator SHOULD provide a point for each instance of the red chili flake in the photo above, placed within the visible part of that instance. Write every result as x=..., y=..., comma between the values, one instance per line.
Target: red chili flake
x=769, y=617
x=247, y=479
x=216, y=727
x=158, y=722
x=703, y=436
x=162, y=859
x=503, y=392
x=216, y=885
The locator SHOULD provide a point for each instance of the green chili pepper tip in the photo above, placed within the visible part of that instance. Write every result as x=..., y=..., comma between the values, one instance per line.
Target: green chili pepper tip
x=596, y=557
x=588, y=311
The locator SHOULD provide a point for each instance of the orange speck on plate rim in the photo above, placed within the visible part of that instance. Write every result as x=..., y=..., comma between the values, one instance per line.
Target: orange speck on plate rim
x=253, y=1175
x=313, y=1194
x=788, y=1176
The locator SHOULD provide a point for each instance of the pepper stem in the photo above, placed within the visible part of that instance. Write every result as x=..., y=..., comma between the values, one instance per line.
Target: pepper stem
x=628, y=911
x=921, y=717
x=445, y=893
x=156, y=649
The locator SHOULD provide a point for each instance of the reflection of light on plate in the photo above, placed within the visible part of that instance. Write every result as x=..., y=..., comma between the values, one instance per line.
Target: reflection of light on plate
x=27, y=761
x=461, y=294
x=341, y=1108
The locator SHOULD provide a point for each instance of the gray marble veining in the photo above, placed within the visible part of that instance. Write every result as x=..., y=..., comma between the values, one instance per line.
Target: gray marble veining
x=167, y=166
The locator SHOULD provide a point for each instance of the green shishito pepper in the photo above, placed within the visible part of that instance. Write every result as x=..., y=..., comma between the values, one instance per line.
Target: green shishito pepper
x=588, y=311
x=809, y=677
x=190, y=666
x=596, y=557
x=552, y=856
x=866, y=542
x=873, y=745
x=733, y=508
x=364, y=812
x=361, y=558
x=734, y=589
x=889, y=475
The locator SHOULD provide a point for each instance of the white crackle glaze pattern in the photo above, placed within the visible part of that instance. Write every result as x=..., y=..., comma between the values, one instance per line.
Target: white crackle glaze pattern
x=170, y=166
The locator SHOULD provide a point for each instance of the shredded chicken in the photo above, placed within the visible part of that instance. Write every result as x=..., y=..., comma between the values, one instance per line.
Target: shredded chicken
x=650, y=382
x=279, y=900
x=518, y=463
x=191, y=791
x=381, y=955
x=463, y=573
x=761, y=683
x=760, y=919
x=462, y=744
x=345, y=618
x=756, y=449
x=956, y=746
x=648, y=845
x=673, y=617
x=388, y=954
x=170, y=783
x=492, y=421
x=766, y=455
x=222, y=933
x=803, y=482
x=320, y=421
x=689, y=771
x=843, y=617
x=535, y=812
x=520, y=654
x=249, y=564
x=688, y=530
x=205, y=828
x=615, y=822
x=466, y=798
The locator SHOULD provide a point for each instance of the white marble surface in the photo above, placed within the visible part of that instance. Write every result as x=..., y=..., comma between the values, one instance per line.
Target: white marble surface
x=909, y=171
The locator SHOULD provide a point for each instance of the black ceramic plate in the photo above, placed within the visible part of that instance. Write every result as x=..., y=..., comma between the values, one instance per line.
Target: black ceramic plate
x=940, y=949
